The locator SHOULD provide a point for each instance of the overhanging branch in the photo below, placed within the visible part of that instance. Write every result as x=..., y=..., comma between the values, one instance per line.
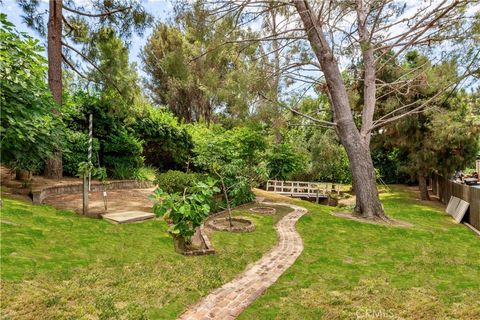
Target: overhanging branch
x=93, y=65
x=96, y=15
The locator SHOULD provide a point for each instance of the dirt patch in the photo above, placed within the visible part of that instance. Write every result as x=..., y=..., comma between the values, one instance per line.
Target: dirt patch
x=347, y=202
x=263, y=210
x=390, y=222
x=238, y=224
x=8, y=180
x=117, y=201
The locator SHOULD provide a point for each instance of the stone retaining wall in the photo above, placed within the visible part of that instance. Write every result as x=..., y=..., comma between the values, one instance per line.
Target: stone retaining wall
x=39, y=195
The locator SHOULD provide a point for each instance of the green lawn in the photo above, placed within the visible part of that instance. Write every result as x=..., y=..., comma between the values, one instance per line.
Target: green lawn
x=352, y=270
x=57, y=265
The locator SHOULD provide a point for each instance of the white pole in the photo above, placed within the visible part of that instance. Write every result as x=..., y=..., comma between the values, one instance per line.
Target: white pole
x=90, y=137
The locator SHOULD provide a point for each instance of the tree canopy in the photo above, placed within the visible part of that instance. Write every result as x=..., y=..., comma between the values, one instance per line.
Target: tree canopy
x=28, y=131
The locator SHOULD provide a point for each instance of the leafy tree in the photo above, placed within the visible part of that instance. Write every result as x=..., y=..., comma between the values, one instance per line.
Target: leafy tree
x=119, y=108
x=195, y=72
x=283, y=161
x=83, y=28
x=28, y=131
x=166, y=145
x=389, y=163
x=441, y=139
x=123, y=149
x=115, y=78
x=329, y=159
x=232, y=157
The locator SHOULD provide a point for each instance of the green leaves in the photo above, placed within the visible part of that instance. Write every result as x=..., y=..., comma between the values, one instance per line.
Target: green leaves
x=196, y=68
x=283, y=161
x=28, y=131
x=85, y=168
x=185, y=212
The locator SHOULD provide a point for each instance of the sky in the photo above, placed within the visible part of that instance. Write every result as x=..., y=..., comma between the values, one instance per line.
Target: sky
x=160, y=9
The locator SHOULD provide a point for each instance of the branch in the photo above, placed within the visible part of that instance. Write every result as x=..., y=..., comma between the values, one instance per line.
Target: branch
x=421, y=31
x=95, y=15
x=68, y=23
x=385, y=120
x=328, y=123
x=94, y=65
x=70, y=64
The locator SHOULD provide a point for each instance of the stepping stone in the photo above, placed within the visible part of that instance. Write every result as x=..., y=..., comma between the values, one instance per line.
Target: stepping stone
x=128, y=216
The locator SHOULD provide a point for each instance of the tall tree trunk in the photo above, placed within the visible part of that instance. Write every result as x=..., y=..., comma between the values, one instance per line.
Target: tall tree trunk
x=53, y=166
x=423, y=187
x=277, y=120
x=368, y=203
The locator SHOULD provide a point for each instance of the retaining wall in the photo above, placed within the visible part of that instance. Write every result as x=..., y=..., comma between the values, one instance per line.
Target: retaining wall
x=39, y=195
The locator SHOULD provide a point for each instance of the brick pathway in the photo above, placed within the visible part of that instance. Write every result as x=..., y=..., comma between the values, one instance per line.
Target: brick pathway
x=228, y=301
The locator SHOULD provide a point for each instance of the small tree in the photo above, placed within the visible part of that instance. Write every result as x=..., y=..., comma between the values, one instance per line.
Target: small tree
x=185, y=212
x=234, y=158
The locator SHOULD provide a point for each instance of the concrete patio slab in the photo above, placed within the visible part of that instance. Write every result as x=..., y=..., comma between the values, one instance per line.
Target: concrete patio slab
x=128, y=216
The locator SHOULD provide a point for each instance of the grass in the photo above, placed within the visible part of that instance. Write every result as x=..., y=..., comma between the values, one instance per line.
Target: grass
x=57, y=265
x=353, y=270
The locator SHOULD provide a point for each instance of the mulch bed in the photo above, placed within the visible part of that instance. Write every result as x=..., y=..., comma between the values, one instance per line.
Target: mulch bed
x=239, y=224
x=263, y=210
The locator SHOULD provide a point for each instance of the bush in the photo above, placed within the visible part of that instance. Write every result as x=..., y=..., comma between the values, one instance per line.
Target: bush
x=165, y=146
x=122, y=172
x=145, y=174
x=176, y=181
x=283, y=161
x=329, y=159
x=76, y=152
x=123, y=152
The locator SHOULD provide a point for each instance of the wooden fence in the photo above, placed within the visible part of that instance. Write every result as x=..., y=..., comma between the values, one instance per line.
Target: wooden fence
x=444, y=189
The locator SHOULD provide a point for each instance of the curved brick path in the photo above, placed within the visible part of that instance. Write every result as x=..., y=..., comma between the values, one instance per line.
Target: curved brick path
x=228, y=301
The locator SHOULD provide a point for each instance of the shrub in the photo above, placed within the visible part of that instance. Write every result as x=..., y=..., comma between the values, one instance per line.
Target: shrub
x=165, y=146
x=329, y=159
x=123, y=152
x=76, y=151
x=283, y=161
x=176, y=181
x=122, y=172
x=145, y=174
